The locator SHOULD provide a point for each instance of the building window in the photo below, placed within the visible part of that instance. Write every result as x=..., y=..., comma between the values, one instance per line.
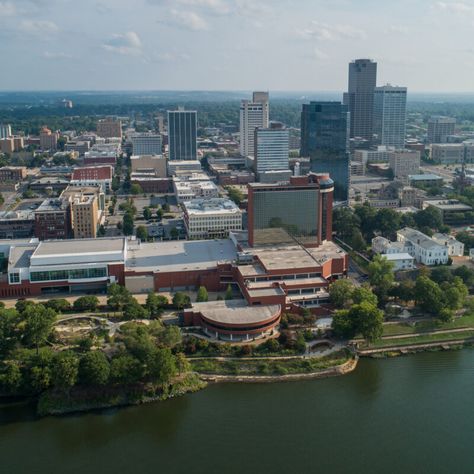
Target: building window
x=13, y=278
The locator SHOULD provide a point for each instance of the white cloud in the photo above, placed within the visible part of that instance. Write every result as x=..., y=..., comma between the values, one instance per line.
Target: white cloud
x=403, y=30
x=38, y=26
x=128, y=44
x=456, y=7
x=51, y=55
x=325, y=32
x=7, y=9
x=171, y=57
x=188, y=20
x=318, y=54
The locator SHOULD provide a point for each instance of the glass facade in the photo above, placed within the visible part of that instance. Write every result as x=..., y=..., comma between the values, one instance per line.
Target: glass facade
x=182, y=135
x=70, y=274
x=325, y=139
x=283, y=215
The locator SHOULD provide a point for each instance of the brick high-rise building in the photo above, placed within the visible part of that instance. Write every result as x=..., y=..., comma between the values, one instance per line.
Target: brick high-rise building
x=48, y=139
x=53, y=219
x=109, y=128
x=300, y=211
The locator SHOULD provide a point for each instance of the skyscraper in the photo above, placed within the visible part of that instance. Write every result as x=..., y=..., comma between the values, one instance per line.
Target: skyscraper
x=324, y=138
x=182, y=134
x=360, y=97
x=390, y=107
x=109, y=128
x=5, y=130
x=253, y=114
x=439, y=128
x=271, y=149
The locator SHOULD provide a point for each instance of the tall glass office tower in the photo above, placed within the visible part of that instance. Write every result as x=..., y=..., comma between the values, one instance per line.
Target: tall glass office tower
x=360, y=97
x=182, y=134
x=325, y=139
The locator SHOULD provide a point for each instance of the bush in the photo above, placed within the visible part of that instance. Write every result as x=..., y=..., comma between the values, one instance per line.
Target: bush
x=86, y=303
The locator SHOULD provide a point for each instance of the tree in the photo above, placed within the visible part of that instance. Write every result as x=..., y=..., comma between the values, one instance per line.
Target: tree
x=387, y=222
x=345, y=222
x=446, y=315
x=135, y=189
x=202, y=295
x=85, y=303
x=381, y=276
x=11, y=378
x=455, y=293
x=127, y=224
x=182, y=364
x=142, y=233
x=65, y=370
x=404, y=291
x=170, y=336
x=60, y=305
x=235, y=195
x=155, y=304
x=428, y=295
x=161, y=366
x=147, y=214
x=229, y=295
x=101, y=232
x=357, y=241
x=9, y=334
x=94, y=368
x=342, y=325
x=364, y=294
x=466, y=274
x=21, y=305
x=429, y=217
x=38, y=324
x=441, y=274
x=165, y=207
x=181, y=300
x=340, y=292
x=126, y=369
x=159, y=213
x=134, y=310
x=368, y=320
x=117, y=296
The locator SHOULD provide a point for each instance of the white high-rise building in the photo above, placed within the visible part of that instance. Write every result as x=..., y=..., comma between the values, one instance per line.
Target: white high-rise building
x=253, y=114
x=5, y=131
x=271, y=149
x=389, y=117
x=146, y=144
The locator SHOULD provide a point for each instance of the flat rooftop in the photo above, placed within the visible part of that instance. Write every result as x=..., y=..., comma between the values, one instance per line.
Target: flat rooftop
x=79, y=247
x=201, y=207
x=20, y=256
x=236, y=312
x=179, y=255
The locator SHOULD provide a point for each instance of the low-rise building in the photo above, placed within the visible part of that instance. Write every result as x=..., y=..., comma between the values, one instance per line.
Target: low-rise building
x=149, y=164
x=425, y=180
x=452, y=153
x=211, y=218
x=16, y=224
x=194, y=186
x=424, y=249
x=401, y=261
x=453, y=211
x=12, y=174
x=93, y=176
x=81, y=147
x=455, y=248
x=177, y=167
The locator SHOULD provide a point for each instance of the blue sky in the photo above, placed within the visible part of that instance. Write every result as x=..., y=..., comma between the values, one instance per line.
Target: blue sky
x=426, y=45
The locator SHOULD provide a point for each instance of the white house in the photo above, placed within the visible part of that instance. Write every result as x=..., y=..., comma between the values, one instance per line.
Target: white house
x=455, y=248
x=401, y=261
x=424, y=249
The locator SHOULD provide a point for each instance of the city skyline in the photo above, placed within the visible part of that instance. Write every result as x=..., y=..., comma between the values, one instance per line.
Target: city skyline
x=204, y=44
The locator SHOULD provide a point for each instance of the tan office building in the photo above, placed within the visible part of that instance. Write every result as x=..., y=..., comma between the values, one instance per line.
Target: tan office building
x=109, y=128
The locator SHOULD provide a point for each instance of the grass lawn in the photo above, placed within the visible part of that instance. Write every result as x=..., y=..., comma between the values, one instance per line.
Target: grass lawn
x=426, y=326
x=423, y=339
x=268, y=366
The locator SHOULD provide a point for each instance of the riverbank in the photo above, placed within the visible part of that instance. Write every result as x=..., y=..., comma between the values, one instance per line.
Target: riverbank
x=85, y=399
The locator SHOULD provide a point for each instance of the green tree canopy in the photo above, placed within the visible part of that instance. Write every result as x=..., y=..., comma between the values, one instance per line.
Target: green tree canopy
x=94, y=368
x=202, y=295
x=340, y=292
x=38, y=324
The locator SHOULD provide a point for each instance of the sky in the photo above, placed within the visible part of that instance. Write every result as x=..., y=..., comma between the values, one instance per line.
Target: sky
x=287, y=45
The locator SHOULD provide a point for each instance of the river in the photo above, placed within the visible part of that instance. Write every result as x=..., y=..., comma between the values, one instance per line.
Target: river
x=411, y=414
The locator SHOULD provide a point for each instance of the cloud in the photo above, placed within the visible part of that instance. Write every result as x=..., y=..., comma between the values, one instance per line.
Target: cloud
x=187, y=20
x=38, y=27
x=7, y=9
x=171, y=57
x=51, y=55
x=128, y=44
x=325, y=32
x=403, y=30
x=318, y=54
x=456, y=7
x=220, y=7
